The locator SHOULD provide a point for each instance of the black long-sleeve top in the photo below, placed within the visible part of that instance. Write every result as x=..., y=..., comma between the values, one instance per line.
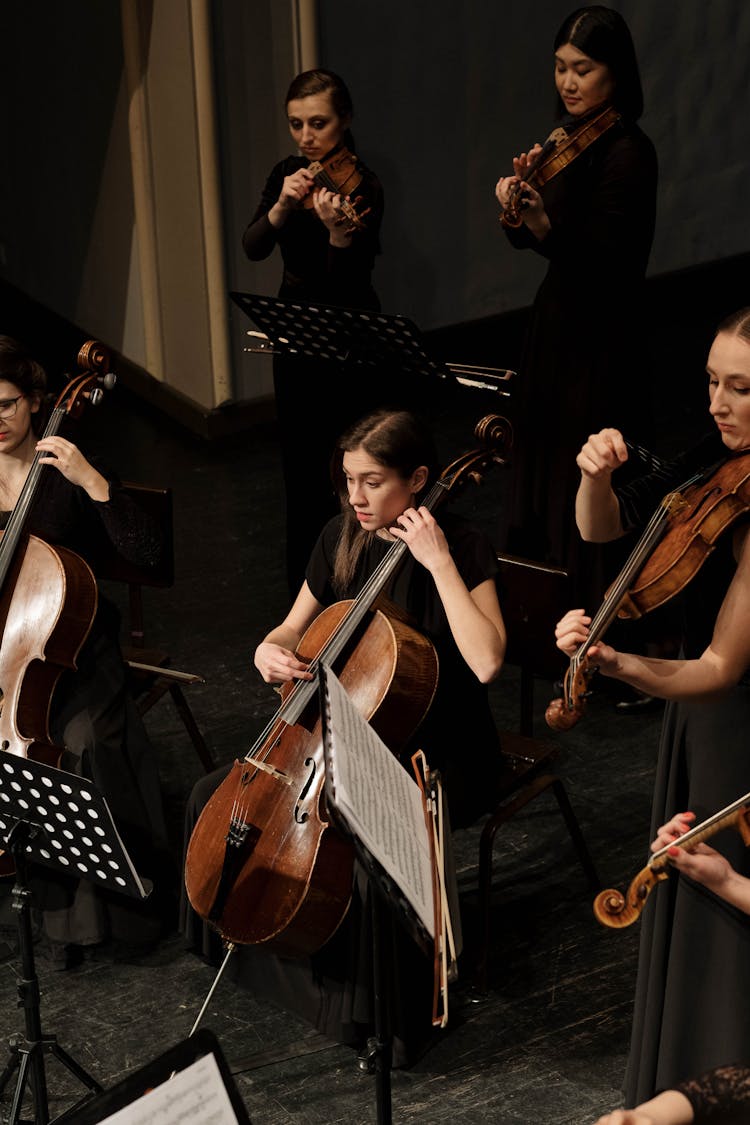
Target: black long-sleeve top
x=313, y=269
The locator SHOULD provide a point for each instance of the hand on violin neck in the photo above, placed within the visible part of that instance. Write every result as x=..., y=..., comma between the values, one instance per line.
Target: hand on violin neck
x=672, y=830
x=572, y=630
x=328, y=207
x=708, y=867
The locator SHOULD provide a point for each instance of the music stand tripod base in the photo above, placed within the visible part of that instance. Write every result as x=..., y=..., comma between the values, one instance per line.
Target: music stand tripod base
x=59, y=820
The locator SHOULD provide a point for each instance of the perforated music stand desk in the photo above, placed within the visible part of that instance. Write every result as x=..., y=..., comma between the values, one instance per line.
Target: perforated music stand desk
x=370, y=339
x=59, y=820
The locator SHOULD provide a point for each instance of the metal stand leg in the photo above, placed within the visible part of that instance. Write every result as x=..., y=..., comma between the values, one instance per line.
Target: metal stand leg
x=27, y=1053
x=380, y=1049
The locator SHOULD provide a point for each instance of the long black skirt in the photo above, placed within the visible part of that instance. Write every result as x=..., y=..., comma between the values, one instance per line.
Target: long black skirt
x=693, y=977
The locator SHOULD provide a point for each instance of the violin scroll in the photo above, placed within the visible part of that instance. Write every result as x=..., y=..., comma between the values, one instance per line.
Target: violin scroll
x=563, y=714
x=615, y=910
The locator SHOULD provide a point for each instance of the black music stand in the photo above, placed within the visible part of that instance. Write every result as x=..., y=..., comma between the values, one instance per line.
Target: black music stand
x=341, y=721
x=59, y=820
x=363, y=337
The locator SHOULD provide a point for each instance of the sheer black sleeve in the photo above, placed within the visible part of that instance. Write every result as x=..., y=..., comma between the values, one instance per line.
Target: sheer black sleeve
x=720, y=1095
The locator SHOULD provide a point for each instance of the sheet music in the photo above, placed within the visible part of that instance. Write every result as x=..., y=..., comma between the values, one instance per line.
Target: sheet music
x=379, y=800
x=195, y=1096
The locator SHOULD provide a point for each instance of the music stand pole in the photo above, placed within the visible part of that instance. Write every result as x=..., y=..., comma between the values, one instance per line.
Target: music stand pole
x=382, y=1047
x=27, y=1055
x=59, y=820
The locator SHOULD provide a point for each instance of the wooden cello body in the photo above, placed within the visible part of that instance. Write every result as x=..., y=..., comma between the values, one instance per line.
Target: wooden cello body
x=264, y=864
x=47, y=607
x=390, y=671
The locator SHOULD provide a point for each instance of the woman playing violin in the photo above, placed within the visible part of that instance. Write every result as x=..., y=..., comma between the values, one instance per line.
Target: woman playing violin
x=593, y=222
x=446, y=583
x=694, y=967
x=79, y=505
x=324, y=260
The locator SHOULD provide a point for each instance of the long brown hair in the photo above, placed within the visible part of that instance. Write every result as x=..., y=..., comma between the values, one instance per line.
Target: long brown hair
x=398, y=440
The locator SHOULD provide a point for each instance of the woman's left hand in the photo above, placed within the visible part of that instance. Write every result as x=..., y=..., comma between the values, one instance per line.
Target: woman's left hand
x=67, y=458
x=573, y=629
x=327, y=206
x=422, y=535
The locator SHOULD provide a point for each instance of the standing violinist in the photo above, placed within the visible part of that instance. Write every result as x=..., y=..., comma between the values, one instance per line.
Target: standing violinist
x=593, y=223
x=78, y=504
x=325, y=260
x=694, y=962
x=446, y=584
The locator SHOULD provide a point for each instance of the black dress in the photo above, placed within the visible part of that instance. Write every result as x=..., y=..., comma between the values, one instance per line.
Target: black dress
x=694, y=958
x=333, y=989
x=317, y=400
x=582, y=366
x=94, y=718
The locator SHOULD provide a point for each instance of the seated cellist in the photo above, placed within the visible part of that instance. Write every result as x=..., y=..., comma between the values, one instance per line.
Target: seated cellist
x=446, y=583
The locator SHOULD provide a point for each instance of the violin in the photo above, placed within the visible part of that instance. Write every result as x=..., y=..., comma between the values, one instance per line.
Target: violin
x=341, y=172
x=558, y=151
x=262, y=864
x=677, y=540
x=616, y=910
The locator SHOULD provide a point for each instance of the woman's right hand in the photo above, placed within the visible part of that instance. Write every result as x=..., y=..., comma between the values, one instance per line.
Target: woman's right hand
x=602, y=454
x=573, y=629
x=294, y=190
x=278, y=665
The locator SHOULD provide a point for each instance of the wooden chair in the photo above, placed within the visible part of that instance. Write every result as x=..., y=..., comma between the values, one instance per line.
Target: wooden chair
x=151, y=674
x=533, y=598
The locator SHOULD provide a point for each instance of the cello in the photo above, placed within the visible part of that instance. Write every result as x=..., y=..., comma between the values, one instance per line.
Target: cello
x=264, y=865
x=48, y=595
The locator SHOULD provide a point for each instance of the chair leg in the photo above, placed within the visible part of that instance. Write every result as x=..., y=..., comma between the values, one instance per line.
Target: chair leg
x=191, y=726
x=576, y=835
x=486, y=843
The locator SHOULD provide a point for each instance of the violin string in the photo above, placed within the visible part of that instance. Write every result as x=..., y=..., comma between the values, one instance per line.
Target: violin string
x=21, y=509
x=304, y=690
x=654, y=529
x=709, y=826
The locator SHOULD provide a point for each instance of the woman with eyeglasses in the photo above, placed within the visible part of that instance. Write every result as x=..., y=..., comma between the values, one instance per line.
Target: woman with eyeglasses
x=78, y=504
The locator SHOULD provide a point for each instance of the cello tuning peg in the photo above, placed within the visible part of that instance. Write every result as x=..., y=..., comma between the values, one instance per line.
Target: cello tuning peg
x=109, y=381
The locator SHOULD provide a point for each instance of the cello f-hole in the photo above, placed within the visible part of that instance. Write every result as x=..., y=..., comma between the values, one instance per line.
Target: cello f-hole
x=301, y=817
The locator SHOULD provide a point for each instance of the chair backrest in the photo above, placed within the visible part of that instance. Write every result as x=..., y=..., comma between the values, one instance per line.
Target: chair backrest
x=533, y=598
x=157, y=502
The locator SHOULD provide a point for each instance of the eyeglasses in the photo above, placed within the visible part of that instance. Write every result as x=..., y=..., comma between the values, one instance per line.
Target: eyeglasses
x=9, y=406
